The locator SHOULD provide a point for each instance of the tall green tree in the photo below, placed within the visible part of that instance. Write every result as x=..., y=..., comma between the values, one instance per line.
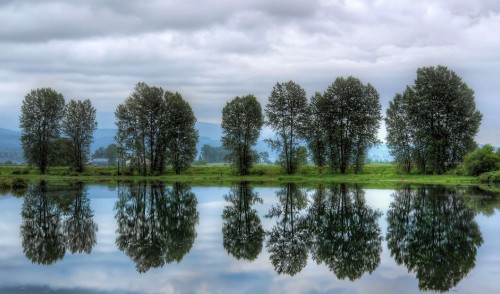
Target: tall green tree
x=156, y=128
x=287, y=115
x=443, y=117
x=141, y=122
x=40, y=124
x=400, y=133
x=241, y=124
x=348, y=115
x=180, y=133
x=316, y=135
x=79, y=125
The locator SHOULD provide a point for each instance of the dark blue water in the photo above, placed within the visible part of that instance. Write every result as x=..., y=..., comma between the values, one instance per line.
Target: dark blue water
x=180, y=239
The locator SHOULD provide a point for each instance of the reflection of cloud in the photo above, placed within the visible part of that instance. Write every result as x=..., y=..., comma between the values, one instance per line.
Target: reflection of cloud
x=208, y=268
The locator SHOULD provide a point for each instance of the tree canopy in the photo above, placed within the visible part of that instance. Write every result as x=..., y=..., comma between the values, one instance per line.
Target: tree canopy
x=40, y=124
x=344, y=124
x=156, y=127
x=286, y=114
x=79, y=124
x=433, y=122
x=241, y=124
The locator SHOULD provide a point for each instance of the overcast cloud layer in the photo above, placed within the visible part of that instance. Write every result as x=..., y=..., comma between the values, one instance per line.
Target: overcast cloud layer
x=211, y=51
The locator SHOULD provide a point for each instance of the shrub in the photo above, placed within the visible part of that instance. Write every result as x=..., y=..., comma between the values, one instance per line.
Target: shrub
x=490, y=177
x=481, y=161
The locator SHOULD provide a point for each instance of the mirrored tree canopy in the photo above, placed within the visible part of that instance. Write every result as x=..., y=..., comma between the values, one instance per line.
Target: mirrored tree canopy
x=433, y=233
x=287, y=240
x=56, y=218
x=345, y=234
x=156, y=223
x=242, y=230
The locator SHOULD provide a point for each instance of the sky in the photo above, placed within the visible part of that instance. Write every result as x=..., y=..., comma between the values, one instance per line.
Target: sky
x=211, y=51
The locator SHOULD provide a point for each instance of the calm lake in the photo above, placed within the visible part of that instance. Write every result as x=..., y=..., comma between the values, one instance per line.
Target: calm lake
x=154, y=238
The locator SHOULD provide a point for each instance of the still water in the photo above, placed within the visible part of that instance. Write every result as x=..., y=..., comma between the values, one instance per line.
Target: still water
x=155, y=238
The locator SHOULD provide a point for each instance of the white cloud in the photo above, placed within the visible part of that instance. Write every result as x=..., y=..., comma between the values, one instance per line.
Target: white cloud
x=211, y=51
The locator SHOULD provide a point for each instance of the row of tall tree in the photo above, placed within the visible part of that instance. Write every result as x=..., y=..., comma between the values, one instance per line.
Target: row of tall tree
x=44, y=117
x=431, y=125
x=338, y=125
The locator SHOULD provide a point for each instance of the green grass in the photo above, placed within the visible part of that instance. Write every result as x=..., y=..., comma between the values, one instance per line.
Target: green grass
x=374, y=175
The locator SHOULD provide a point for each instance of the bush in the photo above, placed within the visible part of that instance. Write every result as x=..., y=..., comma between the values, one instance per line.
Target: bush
x=481, y=161
x=490, y=177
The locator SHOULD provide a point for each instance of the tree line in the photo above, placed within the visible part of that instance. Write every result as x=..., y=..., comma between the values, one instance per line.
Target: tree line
x=430, y=126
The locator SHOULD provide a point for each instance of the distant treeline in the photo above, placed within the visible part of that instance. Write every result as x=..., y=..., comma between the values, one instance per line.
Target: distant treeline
x=431, y=127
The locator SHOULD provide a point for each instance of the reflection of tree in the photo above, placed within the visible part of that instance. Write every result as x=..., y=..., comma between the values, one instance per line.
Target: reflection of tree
x=56, y=218
x=346, y=236
x=483, y=199
x=41, y=229
x=156, y=225
x=79, y=226
x=434, y=234
x=287, y=240
x=242, y=231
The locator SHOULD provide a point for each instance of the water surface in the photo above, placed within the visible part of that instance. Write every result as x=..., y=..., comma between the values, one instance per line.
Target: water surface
x=154, y=238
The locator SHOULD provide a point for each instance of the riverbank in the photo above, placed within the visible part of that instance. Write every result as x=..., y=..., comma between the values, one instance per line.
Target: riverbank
x=209, y=175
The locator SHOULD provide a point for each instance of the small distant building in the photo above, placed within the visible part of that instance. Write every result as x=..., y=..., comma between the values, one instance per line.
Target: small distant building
x=99, y=162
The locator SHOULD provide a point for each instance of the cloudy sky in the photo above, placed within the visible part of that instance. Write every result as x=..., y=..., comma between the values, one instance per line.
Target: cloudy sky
x=211, y=51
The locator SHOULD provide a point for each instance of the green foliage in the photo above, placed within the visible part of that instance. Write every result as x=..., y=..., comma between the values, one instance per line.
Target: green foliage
x=345, y=233
x=287, y=115
x=213, y=154
x=241, y=124
x=79, y=124
x=242, y=230
x=110, y=153
x=181, y=136
x=482, y=160
x=141, y=122
x=435, y=121
x=287, y=241
x=55, y=219
x=400, y=131
x=156, y=224
x=19, y=183
x=61, y=153
x=433, y=224
x=490, y=177
x=344, y=124
x=40, y=124
x=155, y=127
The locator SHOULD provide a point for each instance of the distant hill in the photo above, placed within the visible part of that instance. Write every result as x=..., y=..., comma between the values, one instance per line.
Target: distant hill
x=210, y=133
x=102, y=138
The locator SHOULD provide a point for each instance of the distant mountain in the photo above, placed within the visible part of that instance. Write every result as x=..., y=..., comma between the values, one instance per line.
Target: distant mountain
x=102, y=138
x=10, y=146
x=9, y=139
x=210, y=133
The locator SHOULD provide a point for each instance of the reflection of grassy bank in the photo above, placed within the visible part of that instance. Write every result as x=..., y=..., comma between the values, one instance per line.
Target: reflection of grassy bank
x=373, y=175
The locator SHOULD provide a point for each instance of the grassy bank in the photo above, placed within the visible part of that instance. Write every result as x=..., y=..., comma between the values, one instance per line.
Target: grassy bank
x=374, y=175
